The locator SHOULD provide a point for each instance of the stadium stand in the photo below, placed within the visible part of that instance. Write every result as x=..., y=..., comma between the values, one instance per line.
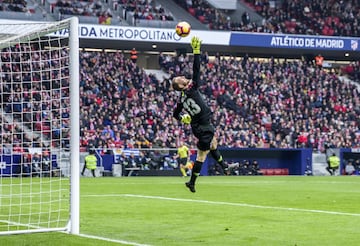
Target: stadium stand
x=26, y=101
x=206, y=14
x=143, y=13
x=257, y=103
x=15, y=6
x=275, y=103
x=262, y=111
x=22, y=10
x=321, y=17
x=87, y=11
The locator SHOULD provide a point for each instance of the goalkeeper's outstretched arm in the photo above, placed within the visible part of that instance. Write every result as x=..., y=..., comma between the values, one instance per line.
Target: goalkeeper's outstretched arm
x=196, y=45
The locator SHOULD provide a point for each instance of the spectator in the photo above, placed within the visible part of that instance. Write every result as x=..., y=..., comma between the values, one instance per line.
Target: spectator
x=349, y=168
x=170, y=162
x=133, y=55
x=245, y=18
x=357, y=165
x=131, y=165
x=215, y=169
x=155, y=160
x=245, y=168
x=233, y=167
x=46, y=165
x=319, y=59
x=26, y=165
x=36, y=165
x=255, y=168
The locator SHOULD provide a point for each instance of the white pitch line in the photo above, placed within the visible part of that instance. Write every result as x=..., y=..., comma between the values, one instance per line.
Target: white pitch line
x=231, y=204
x=80, y=235
x=255, y=182
x=112, y=240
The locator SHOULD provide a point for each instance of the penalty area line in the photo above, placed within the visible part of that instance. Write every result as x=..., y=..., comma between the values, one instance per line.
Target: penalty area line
x=243, y=205
x=112, y=240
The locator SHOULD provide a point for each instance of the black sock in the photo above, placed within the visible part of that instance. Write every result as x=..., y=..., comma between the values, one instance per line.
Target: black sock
x=83, y=171
x=215, y=153
x=195, y=171
x=329, y=170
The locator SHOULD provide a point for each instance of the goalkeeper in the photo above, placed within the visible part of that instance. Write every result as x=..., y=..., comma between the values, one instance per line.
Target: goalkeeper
x=197, y=114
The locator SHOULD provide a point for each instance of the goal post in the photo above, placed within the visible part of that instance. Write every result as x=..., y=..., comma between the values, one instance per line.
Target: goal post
x=39, y=152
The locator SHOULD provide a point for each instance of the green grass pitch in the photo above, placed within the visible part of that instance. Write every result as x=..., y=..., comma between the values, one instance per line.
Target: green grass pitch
x=225, y=210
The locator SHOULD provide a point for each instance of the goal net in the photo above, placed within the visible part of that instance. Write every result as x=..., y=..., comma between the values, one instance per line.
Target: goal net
x=39, y=159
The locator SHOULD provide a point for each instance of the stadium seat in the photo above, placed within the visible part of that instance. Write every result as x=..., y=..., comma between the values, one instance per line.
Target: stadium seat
x=191, y=11
x=201, y=18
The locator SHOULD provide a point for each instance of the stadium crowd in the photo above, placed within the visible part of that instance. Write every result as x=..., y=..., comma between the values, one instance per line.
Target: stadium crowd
x=320, y=17
x=13, y=5
x=276, y=104
x=86, y=8
x=272, y=103
x=33, y=115
x=83, y=8
x=256, y=103
x=145, y=10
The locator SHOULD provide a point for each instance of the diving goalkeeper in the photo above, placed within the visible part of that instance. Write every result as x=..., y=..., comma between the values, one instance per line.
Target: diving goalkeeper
x=198, y=114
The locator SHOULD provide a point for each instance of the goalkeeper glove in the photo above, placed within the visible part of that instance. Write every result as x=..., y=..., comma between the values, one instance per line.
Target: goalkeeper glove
x=185, y=118
x=195, y=44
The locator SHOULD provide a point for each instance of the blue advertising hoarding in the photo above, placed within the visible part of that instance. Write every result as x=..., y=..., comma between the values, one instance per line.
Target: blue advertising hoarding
x=264, y=40
x=125, y=37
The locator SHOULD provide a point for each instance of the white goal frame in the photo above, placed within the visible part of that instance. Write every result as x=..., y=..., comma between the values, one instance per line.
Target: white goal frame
x=16, y=32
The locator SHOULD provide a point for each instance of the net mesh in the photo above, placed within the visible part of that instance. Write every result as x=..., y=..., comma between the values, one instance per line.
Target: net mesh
x=35, y=127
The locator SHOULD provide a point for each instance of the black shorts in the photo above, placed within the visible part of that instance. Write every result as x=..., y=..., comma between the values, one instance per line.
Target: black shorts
x=205, y=134
x=183, y=161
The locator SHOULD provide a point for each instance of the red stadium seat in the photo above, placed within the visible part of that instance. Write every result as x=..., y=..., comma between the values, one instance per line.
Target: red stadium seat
x=336, y=21
x=191, y=11
x=201, y=18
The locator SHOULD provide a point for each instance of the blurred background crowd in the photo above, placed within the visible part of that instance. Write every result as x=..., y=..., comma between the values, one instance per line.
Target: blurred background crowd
x=319, y=17
x=265, y=104
x=257, y=103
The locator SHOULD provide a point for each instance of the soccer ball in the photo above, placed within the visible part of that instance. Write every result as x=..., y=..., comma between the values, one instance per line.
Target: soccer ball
x=183, y=29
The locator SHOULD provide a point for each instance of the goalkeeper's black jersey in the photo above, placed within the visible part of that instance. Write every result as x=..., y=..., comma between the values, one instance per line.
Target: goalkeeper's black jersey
x=192, y=100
